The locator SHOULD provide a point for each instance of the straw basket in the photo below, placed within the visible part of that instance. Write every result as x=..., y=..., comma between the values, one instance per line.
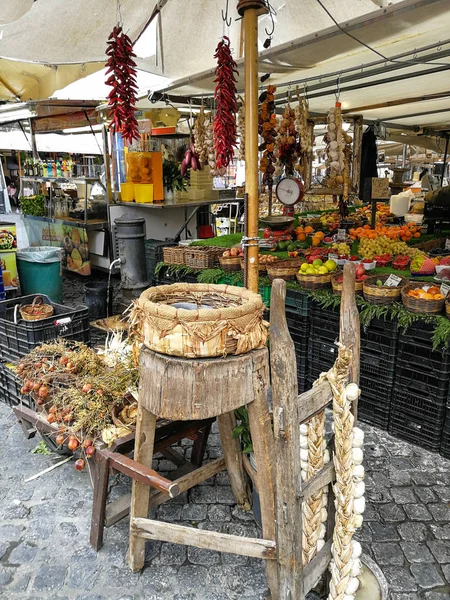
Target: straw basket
x=314, y=282
x=202, y=258
x=337, y=286
x=36, y=311
x=283, y=269
x=174, y=255
x=230, y=263
x=199, y=320
x=261, y=268
x=382, y=294
x=419, y=305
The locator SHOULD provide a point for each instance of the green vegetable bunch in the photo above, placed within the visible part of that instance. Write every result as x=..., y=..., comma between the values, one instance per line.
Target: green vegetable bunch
x=173, y=180
x=33, y=205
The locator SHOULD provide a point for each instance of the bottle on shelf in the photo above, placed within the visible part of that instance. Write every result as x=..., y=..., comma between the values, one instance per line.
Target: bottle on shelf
x=43, y=170
x=53, y=169
x=58, y=169
x=70, y=168
x=49, y=169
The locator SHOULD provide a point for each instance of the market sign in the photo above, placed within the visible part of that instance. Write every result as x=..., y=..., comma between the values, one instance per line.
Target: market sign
x=67, y=121
x=380, y=188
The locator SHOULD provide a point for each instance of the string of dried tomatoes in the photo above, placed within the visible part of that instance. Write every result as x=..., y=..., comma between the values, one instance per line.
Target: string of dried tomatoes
x=122, y=97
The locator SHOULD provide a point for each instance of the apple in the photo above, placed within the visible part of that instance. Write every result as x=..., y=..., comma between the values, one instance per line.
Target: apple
x=354, y=257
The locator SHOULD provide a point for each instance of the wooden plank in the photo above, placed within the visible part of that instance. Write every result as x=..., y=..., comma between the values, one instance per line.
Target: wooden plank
x=323, y=478
x=145, y=437
x=199, y=447
x=233, y=459
x=100, y=468
x=316, y=568
x=349, y=334
x=141, y=473
x=210, y=540
x=249, y=469
x=119, y=509
x=174, y=456
x=262, y=438
x=313, y=401
x=288, y=507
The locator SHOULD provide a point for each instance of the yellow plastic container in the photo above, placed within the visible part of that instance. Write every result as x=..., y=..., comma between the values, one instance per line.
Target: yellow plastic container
x=127, y=192
x=143, y=193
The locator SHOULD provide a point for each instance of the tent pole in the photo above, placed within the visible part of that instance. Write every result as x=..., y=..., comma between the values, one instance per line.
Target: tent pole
x=250, y=9
x=445, y=159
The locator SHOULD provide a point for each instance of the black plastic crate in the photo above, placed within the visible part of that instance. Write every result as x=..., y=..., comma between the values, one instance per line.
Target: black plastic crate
x=10, y=386
x=295, y=299
x=445, y=438
x=412, y=380
x=419, y=331
x=373, y=407
x=154, y=254
x=380, y=386
x=297, y=324
x=417, y=420
x=21, y=337
x=422, y=355
x=377, y=365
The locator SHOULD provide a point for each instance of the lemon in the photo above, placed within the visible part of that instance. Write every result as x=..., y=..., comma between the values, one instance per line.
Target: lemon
x=317, y=262
x=304, y=267
x=330, y=265
x=322, y=270
x=310, y=271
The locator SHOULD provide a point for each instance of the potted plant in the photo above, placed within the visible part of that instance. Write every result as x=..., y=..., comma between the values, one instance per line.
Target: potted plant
x=173, y=179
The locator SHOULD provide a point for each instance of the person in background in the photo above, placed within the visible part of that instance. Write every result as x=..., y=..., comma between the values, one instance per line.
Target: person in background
x=423, y=173
x=12, y=192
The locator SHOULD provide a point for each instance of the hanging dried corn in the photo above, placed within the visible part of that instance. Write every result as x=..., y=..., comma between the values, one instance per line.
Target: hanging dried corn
x=304, y=132
x=122, y=97
x=225, y=133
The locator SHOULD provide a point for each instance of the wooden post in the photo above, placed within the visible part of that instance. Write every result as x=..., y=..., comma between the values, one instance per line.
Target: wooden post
x=287, y=448
x=349, y=334
x=100, y=477
x=250, y=9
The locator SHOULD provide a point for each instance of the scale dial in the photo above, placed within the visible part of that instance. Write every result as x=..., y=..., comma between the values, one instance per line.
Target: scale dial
x=289, y=191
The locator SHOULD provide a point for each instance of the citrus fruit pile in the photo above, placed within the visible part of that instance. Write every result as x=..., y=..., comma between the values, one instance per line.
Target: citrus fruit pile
x=404, y=233
x=318, y=267
x=426, y=293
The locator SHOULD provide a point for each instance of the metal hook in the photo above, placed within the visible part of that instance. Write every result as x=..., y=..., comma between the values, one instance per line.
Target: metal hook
x=272, y=13
x=225, y=18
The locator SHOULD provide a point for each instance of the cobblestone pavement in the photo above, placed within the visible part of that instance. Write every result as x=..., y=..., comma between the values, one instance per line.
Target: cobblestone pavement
x=44, y=529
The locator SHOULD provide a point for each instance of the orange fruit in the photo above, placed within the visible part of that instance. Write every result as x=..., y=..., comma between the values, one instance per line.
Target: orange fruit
x=301, y=237
x=309, y=229
x=417, y=235
x=427, y=296
x=315, y=241
x=319, y=234
x=434, y=290
x=438, y=297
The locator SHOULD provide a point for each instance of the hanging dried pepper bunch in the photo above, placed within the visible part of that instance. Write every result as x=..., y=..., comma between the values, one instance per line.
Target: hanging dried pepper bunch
x=287, y=144
x=122, y=97
x=225, y=133
x=267, y=122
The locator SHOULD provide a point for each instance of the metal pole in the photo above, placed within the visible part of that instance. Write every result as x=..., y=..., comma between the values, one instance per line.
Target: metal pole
x=250, y=9
x=33, y=139
x=445, y=159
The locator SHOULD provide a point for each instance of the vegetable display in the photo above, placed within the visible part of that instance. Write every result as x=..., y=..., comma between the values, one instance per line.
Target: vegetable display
x=200, y=144
x=267, y=122
x=191, y=159
x=286, y=144
x=122, y=97
x=33, y=205
x=225, y=132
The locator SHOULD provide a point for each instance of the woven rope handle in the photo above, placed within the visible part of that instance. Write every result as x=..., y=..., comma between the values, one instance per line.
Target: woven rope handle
x=37, y=303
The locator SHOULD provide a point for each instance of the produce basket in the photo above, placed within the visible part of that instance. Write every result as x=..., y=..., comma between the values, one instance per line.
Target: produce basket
x=382, y=294
x=202, y=258
x=174, y=255
x=425, y=306
x=36, y=311
x=283, y=269
x=199, y=320
x=314, y=282
x=337, y=285
x=230, y=263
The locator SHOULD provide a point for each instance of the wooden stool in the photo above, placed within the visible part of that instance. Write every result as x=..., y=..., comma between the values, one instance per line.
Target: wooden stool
x=182, y=389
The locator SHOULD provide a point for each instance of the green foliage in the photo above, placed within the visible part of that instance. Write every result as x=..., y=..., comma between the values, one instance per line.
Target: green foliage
x=237, y=277
x=41, y=448
x=210, y=275
x=178, y=271
x=222, y=241
x=173, y=179
x=242, y=430
x=325, y=298
x=33, y=205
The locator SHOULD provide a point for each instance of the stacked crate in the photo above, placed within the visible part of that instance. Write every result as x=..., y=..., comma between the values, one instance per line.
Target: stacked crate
x=298, y=324
x=421, y=388
x=445, y=439
x=154, y=255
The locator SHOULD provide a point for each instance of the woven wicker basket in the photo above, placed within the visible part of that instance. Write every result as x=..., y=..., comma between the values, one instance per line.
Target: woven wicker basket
x=261, y=268
x=314, y=282
x=382, y=294
x=228, y=320
x=174, y=255
x=283, y=269
x=230, y=263
x=337, y=286
x=202, y=258
x=418, y=305
x=36, y=311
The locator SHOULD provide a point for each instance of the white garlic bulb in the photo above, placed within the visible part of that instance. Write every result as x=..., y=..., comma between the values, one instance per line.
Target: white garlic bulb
x=323, y=515
x=356, y=549
x=359, y=489
x=326, y=456
x=303, y=441
x=359, y=505
x=304, y=429
x=320, y=545
x=358, y=436
x=356, y=567
x=304, y=475
x=324, y=500
x=352, y=392
x=333, y=145
x=322, y=532
x=352, y=586
x=331, y=135
x=358, y=521
x=358, y=472
x=348, y=597
x=304, y=465
x=304, y=454
x=357, y=455
x=332, y=126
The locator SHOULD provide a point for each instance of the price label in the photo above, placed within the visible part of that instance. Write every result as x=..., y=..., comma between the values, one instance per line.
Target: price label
x=341, y=235
x=445, y=289
x=312, y=216
x=447, y=244
x=392, y=281
x=333, y=257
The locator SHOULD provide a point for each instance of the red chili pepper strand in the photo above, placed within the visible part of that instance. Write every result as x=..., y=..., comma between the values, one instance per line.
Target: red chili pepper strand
x=225, y=131
x=122, y=97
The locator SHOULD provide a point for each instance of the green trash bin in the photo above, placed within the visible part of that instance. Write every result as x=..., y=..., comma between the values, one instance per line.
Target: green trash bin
x=39, y=270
